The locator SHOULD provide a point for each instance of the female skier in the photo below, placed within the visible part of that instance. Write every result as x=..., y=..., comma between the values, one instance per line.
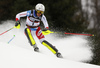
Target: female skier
x=32, y=27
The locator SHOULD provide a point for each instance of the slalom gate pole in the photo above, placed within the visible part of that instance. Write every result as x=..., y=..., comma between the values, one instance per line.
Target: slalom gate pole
x=11, y=39
x=7, y=31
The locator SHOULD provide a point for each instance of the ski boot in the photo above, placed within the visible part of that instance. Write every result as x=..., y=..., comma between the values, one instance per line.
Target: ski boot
x=58, y=55
x=36, y=49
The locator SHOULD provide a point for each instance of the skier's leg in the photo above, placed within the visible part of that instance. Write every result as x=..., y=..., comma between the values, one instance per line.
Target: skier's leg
x=30, y=38
x=41, y=37
x=50, y=47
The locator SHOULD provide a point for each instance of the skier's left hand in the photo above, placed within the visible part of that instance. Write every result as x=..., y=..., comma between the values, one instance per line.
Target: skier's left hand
x=46, y=31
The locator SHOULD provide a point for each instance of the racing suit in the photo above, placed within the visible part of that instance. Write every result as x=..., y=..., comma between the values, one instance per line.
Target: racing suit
x=32, y=28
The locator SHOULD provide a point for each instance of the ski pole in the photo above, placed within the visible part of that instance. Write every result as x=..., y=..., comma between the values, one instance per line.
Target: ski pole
x=7, y=31
x=11, y=39
x=80, y=34
x=49, y=32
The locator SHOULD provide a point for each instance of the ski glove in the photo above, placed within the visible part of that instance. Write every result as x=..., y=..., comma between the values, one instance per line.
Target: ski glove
x=45, y=29
x=17, y=25
x=46, y=32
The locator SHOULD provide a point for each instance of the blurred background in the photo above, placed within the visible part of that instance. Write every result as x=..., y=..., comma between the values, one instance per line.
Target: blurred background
x=74, y=16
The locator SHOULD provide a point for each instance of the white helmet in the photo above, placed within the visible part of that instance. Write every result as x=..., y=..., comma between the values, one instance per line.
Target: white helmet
x=40, y=7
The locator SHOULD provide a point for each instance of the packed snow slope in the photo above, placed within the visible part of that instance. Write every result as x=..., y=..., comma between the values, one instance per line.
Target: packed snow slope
x=18, y=53
x=12, y=56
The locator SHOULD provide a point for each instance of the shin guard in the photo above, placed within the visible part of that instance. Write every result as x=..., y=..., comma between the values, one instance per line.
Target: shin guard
x=29, y=36
x=50, y=46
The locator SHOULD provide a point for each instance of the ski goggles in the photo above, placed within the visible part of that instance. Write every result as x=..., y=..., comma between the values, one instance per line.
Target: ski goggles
x=40, y=12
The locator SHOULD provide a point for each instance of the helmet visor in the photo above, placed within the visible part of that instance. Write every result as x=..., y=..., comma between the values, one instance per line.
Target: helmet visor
x=40, y=12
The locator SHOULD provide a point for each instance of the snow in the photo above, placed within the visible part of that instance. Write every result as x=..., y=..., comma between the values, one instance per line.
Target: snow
x=12, y=56
x=19, y=54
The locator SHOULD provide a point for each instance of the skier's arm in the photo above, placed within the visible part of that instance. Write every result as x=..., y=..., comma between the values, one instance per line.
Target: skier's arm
x=22, y=14
x=44, y=20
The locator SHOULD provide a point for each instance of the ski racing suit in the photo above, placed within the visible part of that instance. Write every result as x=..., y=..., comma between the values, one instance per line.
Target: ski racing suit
x=32, y=28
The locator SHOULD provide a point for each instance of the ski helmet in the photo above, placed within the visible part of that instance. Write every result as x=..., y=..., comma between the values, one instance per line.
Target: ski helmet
x=40, y=8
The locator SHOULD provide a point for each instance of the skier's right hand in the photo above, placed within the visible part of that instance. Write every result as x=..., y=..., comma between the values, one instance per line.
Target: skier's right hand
x=17, y=24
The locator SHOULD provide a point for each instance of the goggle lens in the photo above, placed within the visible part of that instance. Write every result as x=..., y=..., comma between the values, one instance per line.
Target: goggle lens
x=40, y=12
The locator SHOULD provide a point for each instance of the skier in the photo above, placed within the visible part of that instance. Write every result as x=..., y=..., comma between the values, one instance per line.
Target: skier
x=32, y=28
